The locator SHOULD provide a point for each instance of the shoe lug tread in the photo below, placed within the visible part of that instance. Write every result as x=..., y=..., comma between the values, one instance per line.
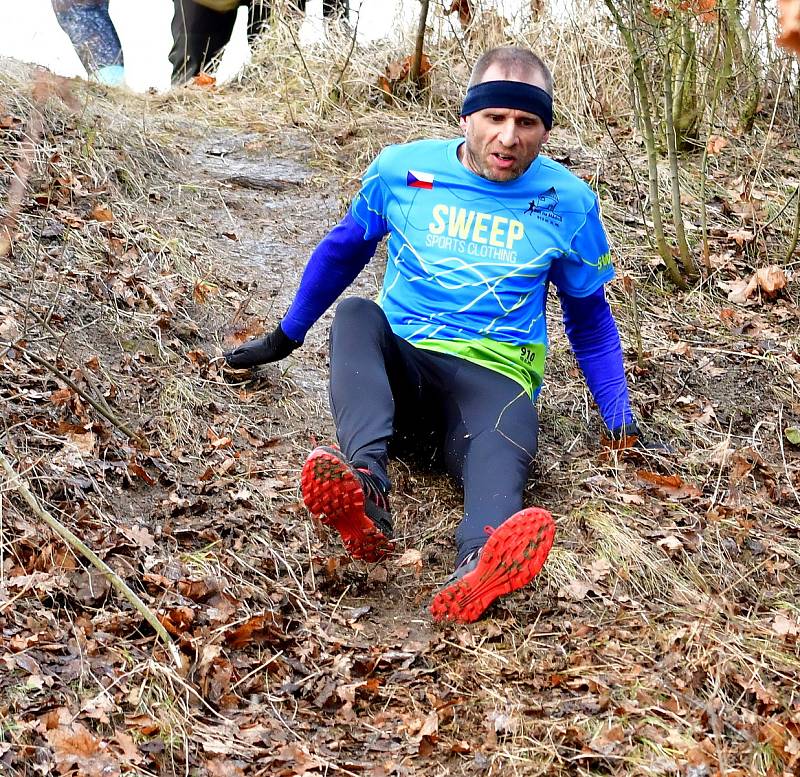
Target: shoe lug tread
x=510, y=560
x=333, y=493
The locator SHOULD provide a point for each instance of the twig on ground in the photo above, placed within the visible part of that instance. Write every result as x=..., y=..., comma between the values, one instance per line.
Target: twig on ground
x=79, y=546
x=100, y=407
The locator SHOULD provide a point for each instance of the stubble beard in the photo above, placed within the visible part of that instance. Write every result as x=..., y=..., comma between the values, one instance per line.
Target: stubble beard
x=480, y=164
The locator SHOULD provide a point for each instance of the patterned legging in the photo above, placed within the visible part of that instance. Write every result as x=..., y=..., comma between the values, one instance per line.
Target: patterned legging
x=91, y=31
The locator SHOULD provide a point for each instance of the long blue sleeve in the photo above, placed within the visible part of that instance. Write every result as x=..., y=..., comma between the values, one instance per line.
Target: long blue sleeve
x=594, y=338
x=335, y=262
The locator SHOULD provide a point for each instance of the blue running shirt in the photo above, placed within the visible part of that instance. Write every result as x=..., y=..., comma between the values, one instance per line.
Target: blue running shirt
x=470, y=259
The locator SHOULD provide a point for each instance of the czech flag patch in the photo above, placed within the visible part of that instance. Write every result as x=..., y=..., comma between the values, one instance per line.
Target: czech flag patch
x=419, y=180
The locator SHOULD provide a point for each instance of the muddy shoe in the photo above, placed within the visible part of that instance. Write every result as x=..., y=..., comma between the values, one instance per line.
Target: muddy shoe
x=512, y=556
x=350, y=500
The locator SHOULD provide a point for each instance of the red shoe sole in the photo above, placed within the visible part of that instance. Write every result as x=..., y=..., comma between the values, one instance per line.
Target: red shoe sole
x=332, y=491
x=511, y=558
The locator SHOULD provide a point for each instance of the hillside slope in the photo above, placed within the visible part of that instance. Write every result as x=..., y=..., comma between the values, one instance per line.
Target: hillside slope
x=151, y=232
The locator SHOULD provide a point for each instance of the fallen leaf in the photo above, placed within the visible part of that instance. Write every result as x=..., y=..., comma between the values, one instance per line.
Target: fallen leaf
x=129, y=750
x=775, y=734
x=631, y=499
x=91, y=587
x=378, y=574
x=671, y=486
x=61, y=396
x=203, y=290
x=222, y=767
x=784, y=626
x=102, y=213
x=140, y=472
x=99, y=707
x=608, y=738
x=577, y=589
x=771, y=280
x=431, y=724
x=502, y=722
x=741, y=236
x=599, y=569
x=792, y=434
x=77, y=749
x=259, y=628
x=84, y=441
x=707, y=417
x=400, y=70
x=670, y=543
x=741, y=290
x=176, y=620
x=715, y=144
x=410, y=558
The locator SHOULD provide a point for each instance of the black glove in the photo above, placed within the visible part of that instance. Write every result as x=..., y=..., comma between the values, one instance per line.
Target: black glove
x=273, y=347
x=630, y=436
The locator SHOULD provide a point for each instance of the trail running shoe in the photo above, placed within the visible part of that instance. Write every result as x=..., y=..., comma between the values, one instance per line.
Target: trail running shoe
x=512, y=556
x=350, y=500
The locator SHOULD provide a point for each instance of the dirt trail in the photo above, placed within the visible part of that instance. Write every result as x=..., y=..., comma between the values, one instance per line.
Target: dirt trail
x=272, y=212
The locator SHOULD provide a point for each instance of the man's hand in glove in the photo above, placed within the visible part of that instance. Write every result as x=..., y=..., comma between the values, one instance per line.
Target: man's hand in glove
x=273, y=347
x=630, y=436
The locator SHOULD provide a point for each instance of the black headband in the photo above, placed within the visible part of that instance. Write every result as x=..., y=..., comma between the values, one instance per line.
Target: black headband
x=510, y=94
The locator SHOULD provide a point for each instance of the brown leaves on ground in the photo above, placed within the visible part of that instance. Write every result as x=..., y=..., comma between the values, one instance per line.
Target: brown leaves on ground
x=78, y=751
x=669, y=486
x=102, y=213
x=769, y=281
x=660, y=638
x=716, y=143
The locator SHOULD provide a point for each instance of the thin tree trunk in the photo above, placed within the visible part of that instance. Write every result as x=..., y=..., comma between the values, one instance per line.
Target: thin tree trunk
x=672, y=156
x=748, y=60
x=645, y=115
x=416, y=65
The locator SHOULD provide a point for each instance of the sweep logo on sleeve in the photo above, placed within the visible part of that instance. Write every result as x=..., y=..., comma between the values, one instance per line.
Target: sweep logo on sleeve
x=419, y=180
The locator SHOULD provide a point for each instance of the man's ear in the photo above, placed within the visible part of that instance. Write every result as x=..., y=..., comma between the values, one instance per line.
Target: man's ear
x=462, y=122
x=545, y=137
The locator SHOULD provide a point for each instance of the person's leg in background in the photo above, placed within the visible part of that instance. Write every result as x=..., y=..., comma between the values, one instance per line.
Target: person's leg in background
x=92, y=33
x=198, y=35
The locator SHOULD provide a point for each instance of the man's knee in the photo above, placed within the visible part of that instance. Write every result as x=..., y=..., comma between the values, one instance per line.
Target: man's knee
x=359, y=312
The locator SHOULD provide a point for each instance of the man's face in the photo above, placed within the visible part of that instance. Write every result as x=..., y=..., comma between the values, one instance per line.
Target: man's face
x=501, y=143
